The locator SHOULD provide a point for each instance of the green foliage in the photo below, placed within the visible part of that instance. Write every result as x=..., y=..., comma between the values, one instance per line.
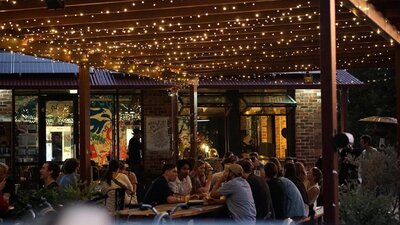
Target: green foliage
x=376, y=201
x=365, y=208
x=61, y=196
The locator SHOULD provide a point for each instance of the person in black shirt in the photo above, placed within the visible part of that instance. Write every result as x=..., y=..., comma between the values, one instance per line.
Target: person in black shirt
x=277, y=191
x=260, y=191
x=49, y=174
x=290, y=173
x=159, y=192
x=135, y=153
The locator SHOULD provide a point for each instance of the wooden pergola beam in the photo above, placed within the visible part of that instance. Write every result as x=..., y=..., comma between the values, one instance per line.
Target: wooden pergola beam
x=126, y=7
x=365, y=9
x=159, y=14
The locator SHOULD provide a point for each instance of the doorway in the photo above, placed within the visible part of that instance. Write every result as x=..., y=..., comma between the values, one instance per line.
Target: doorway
x=58, y=128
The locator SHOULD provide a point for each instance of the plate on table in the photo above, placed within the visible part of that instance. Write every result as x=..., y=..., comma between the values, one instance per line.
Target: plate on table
x=195, y=202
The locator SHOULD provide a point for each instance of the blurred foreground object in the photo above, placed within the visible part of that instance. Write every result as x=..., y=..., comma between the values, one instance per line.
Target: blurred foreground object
x=83, y=215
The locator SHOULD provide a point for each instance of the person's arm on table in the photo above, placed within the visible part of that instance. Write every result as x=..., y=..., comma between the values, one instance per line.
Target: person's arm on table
x=214, y=192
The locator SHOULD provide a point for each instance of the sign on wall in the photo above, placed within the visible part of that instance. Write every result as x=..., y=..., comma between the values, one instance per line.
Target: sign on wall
x=157, y=137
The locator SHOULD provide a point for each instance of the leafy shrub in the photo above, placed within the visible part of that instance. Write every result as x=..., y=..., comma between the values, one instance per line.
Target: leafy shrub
x=376, y=200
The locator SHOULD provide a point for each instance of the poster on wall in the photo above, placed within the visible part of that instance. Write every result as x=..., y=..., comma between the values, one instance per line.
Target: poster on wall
x=157, y=138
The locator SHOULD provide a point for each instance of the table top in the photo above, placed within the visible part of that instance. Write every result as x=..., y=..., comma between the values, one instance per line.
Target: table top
x=180, y=213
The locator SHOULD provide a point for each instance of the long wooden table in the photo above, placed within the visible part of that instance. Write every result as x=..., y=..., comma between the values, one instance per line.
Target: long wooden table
x=180, y=213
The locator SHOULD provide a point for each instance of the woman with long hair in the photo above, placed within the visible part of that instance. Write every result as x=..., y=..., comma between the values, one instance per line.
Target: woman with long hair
x=301, y=173
x=112, y=180
x=314, y=177
x=201, y=177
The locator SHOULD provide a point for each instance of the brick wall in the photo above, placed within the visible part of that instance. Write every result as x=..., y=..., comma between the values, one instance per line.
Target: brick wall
x=155, y=103
x=308, y=126
x=5, y=102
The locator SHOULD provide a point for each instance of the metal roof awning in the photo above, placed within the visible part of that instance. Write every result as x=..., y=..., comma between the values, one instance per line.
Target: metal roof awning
x=208, y=104
x=266, y=104
x=268, y=100
x=18, y=71
x=287, y=80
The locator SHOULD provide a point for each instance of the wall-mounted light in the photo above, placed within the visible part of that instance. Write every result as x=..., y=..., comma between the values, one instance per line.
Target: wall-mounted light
x=308, y=78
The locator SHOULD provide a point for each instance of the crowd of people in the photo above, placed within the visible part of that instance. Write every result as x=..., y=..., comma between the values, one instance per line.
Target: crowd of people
x=275, y=193
x=251, y=190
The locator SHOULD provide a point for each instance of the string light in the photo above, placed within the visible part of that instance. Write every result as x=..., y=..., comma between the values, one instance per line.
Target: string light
x=165, y=40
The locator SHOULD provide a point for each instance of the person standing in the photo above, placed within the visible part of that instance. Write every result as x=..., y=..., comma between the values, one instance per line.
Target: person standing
x=366, y=145
x=135, y=153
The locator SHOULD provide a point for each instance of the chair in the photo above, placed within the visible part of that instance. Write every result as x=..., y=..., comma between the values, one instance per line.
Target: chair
x=118, y=194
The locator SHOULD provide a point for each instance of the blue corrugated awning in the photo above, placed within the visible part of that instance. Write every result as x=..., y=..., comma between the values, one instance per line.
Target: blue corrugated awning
x=24, y=71
x=14, y=63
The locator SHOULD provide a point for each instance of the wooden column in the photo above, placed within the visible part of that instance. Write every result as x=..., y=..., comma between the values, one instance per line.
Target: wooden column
x=84, y=122
x=193, y=118
x=234, y=143
x=174, y=123
x=397, y=80
x=344, y=95
x=329, y=114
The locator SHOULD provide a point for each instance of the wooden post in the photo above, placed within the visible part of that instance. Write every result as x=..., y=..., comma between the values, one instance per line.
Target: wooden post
x=84, y=121
x=193, y=118
x=344, y=95
x=397, y=80
x=232, y=131
x=328, y=112
x=174, y=123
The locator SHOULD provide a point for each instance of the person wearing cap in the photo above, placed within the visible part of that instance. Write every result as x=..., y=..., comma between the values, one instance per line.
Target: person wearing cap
x=230, y=159
x=135, y=159
x=237, y=192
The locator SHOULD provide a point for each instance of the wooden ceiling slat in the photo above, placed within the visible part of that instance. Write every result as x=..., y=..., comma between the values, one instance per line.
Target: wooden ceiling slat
x=38, y=5
x=146, y=23
x=156, y=15
x=269, y=35
x=117, y=7
x=153, y=35
x=366, y=9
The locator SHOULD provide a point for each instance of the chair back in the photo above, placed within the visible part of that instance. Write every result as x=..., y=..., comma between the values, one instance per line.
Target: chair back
x=118, y=195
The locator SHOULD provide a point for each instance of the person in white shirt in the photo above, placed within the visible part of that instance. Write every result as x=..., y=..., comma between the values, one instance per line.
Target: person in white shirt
x=182, y=184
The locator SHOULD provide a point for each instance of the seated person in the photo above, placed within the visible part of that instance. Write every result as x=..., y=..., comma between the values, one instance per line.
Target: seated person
x=201, y=178
x=237, y=192
x=9, y=182
x=124, y=168
x=159, y=191
x=4, y=201
x=49, y=174
x=71, y=176
x=259, y=189
x=182, y=184
x=113, y=179
x=314, y=176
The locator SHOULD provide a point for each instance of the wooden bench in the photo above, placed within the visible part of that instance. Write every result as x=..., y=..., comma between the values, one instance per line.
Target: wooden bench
x=319, y=213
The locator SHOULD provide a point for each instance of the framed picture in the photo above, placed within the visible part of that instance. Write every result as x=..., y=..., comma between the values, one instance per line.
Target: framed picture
x=156, y=133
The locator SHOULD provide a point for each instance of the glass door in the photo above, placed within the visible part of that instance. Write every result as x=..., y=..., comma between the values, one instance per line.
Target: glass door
x=58, y=137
